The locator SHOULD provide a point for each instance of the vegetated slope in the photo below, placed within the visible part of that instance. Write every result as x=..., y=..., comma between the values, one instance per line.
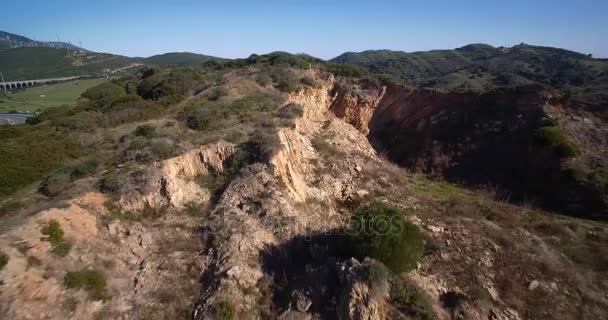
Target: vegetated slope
x=181, y=59
x=480, y=67
x=39, y=62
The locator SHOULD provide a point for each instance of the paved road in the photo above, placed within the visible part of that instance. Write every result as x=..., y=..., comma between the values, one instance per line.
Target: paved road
x=14, y=118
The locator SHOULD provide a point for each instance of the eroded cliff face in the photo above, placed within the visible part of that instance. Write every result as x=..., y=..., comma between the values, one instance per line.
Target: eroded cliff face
x=477, y=139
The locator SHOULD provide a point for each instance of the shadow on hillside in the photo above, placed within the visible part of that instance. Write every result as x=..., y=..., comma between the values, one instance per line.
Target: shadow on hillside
x=304, y=265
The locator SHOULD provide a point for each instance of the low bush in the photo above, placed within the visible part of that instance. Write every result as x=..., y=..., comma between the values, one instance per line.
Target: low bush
x=217, y=93
x=106, y=92
x=265, y=143
x=202, y=118
x=130, y=98
x=224, y=310
x=91, y=280
x=54, y=184
x=84, y=167
x=162, y=150
x=310, y=81
x=284, y=79
x=60, y=180
x=382, y=232
x=263, y=78
x=109, y=183
x=554, y=137
x=54, y=234
x=146, y=131
x=132, y=112
x=411, y=300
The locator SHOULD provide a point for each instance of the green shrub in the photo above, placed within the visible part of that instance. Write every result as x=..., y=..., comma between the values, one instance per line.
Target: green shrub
x=217, y=93
x=130, y=98
x=377, y=272
x=54, y=184
x=310, y=81
x=265, y=143
x=146, y=131
x=284, y=80
x=204, y=117
x=263, y=78
x=83, y=167
x=91, y=280
x=106, y=92
x=410, y=300
x=54, y=234
x=224, y=310
x=162, y=150
x=554, y=137
x=382, y=232
x=132, y=112
x=3, y=260
x=109, y=183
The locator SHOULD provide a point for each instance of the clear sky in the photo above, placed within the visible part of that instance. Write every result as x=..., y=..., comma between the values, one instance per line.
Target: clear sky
x=323, y=28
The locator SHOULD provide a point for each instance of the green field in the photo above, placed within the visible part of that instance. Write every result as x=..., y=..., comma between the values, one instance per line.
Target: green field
x=40, y=98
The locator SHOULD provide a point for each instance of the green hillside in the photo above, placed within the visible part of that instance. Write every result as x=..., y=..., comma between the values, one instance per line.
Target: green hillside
x=40, y=62
x=182, y=59
x=482, y=67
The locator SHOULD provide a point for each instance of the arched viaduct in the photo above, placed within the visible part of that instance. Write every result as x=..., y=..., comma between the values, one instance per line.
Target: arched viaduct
x=14, y=85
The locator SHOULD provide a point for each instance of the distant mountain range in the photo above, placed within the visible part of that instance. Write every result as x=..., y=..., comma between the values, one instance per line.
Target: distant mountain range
x=11, y=41
x=475, y=67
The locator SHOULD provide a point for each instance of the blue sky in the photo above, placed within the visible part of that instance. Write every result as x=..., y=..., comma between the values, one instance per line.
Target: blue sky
x=231, y=28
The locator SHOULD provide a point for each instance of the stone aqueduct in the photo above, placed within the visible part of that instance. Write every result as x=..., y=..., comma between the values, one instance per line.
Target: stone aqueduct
x=14, y=85
x=6, y=86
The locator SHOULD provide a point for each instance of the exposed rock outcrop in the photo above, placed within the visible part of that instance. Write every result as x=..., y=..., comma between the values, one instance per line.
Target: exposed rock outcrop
x=169, y=182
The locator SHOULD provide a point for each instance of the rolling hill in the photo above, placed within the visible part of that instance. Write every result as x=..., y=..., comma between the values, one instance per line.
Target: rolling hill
x=42, y=62
x=481, y=67
x=181, y=59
